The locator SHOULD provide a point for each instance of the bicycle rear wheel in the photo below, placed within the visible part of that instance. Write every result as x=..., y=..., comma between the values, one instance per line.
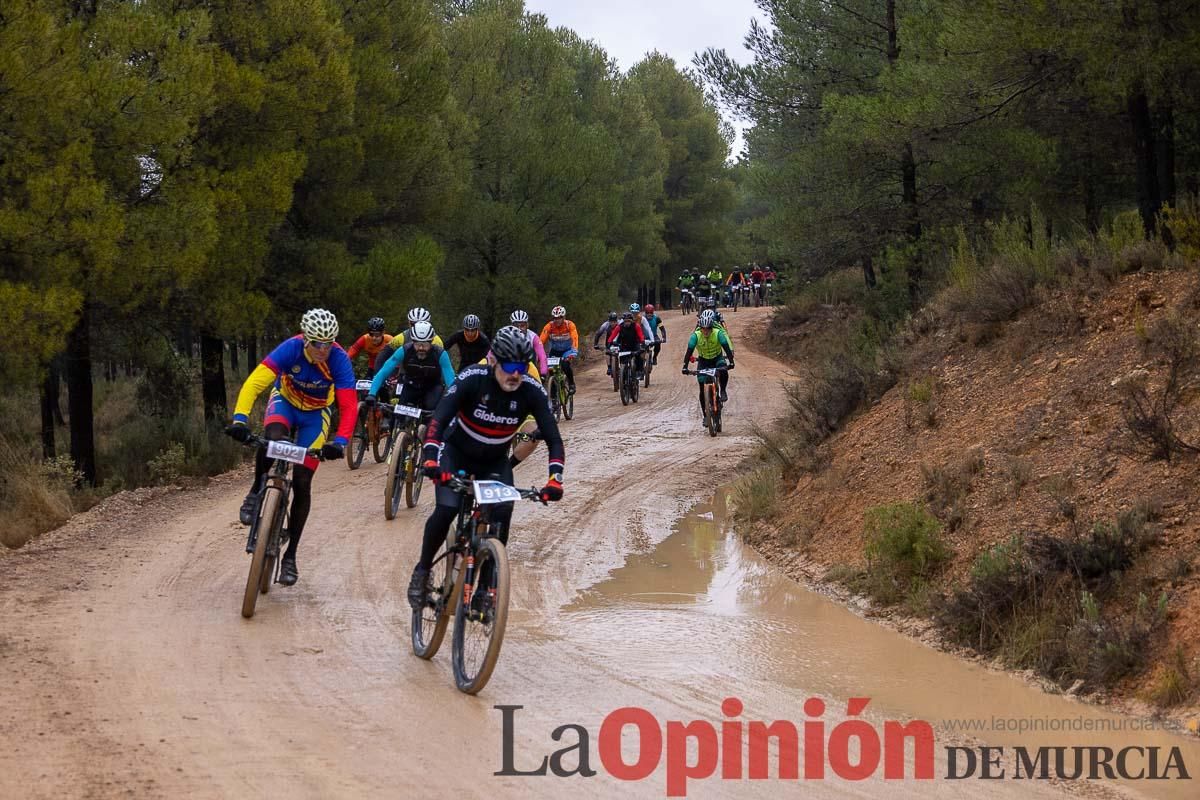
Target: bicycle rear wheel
x=568, y=405
x=381, y=445
x=443, y=588
x=479, y=625
x=393, y=490
x=555, y=405
x=266, y=522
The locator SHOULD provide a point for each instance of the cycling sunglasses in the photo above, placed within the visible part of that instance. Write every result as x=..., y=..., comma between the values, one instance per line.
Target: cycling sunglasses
x=313, y=343
x=513, y=367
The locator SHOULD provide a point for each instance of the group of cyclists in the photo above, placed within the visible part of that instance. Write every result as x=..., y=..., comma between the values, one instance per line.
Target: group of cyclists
x=714, y=289
x=476, y=408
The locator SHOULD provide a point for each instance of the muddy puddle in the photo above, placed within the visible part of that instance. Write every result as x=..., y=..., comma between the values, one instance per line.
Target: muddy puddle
x=707, y=613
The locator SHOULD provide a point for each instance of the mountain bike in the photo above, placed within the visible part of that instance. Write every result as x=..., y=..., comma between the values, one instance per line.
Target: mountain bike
x=709, y=381
x=735, y=297
x=268, y=534
x=629, y=378
x=758, y=298
x=746, y=294
x=687, y=301
x=469, y=579
x=767, y=293
x=404, y=463
x=562, y=402
x=648, y=364
x=368, y=430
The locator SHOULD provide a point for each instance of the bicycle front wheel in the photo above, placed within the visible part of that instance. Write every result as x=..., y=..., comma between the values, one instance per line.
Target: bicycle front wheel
x=393, y=490
x=710, y=410
x=266, y=522
x=479, y=625
x=568, y=406
x=358, y=446
x=413, y=476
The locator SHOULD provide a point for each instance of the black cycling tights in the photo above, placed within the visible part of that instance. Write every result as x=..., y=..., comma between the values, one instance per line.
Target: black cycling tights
x=301, y=488
x=439, y=522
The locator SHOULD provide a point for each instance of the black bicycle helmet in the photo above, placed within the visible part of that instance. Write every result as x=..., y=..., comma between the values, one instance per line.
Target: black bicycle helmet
x=470, y=322
x=375, y=325
x=511, y=344
x=612, y=316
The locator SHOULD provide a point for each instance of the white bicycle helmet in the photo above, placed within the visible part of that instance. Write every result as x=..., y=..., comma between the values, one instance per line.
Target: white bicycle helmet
x=558, y=312
x=519, y=316
x=707, y=318
x=319, y=325
x=418, y=314
x=421, y=332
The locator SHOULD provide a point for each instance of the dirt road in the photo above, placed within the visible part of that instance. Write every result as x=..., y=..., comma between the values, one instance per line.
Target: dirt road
x=128, y=670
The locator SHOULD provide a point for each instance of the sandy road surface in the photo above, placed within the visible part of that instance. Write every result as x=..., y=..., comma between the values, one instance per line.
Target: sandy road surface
x=128, y=671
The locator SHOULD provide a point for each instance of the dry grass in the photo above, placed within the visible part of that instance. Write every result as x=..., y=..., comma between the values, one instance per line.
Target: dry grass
x=36, y=498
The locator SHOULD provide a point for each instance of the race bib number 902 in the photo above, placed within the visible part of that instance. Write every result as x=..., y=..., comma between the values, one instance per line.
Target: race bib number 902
x=287, y=452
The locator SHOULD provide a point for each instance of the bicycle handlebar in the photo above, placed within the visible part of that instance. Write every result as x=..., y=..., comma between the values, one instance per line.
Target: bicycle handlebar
x=461, y=485
x=260, y=443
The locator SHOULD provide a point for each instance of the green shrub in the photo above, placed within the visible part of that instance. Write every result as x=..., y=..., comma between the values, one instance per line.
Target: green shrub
x=903, y=548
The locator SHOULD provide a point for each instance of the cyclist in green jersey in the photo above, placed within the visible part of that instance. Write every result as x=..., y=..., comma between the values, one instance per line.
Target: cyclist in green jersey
x=710, y=344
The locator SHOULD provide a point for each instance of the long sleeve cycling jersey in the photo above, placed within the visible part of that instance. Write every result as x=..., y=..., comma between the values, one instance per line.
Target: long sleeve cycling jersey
x=736, y=278
x=479, y=418
x=647, y=330
x=398, y=341
x=363, y=344
x=656, y=325
x=558, y=337
x=539, y=352
x=469, y=352
x=423, y=372
x=627, y=337
x=602, y=332
x=308, y=385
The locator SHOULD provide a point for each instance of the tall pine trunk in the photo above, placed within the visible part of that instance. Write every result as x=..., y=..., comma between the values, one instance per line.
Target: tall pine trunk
x=1146, y=163
x=49, y=401
x=212, y=377
x=79, y=403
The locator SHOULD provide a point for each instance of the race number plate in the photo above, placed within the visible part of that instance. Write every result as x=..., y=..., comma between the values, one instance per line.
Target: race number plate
x=709, y=372
x=363, y=386
x=624, y=353
x=488, y=492
x=408, y=411
x=552, y=361
x=287, y=451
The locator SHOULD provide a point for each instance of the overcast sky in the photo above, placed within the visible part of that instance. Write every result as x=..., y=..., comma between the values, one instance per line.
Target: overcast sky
x=628, y=29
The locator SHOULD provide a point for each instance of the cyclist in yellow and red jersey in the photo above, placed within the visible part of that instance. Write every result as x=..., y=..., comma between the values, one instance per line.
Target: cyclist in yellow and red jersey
x=306, y=374
x=371, y=344
x=561, y=338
